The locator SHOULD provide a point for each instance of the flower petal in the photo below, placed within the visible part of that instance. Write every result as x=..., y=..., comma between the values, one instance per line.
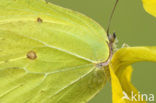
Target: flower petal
x=150, y=6
x=121, y=88
x=121, y=70
x=116, y=88
x=126, y=56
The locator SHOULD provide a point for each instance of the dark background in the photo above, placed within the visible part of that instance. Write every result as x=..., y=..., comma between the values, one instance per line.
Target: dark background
x=133, y=26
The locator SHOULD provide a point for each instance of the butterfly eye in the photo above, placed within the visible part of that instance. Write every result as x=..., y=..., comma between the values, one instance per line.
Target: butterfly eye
x=31, y=55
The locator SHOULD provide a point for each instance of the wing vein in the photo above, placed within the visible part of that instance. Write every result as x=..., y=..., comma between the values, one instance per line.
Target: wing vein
x=73, y=82
x=59, y=49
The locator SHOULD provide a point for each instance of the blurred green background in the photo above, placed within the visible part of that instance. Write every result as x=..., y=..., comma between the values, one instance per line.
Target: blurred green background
x=133, y=26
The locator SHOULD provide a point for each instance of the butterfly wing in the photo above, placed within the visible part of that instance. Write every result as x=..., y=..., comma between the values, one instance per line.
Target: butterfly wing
x=48, y=53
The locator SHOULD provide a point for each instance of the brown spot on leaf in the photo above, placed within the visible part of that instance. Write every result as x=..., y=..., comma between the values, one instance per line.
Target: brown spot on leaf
x=31, y=55
x=39, y=20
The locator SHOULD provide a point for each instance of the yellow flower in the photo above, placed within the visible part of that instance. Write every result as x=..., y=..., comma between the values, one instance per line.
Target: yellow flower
x=120, y=69
x=120, y=66
x=150, y=6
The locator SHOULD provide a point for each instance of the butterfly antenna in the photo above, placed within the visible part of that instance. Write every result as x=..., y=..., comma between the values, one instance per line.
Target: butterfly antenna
x=111, y=16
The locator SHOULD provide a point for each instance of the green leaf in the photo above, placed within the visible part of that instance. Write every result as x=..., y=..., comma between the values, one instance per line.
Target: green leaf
x=48, y=54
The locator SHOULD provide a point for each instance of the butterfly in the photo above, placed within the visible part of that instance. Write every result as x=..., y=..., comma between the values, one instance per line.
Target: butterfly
x=49, y=54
